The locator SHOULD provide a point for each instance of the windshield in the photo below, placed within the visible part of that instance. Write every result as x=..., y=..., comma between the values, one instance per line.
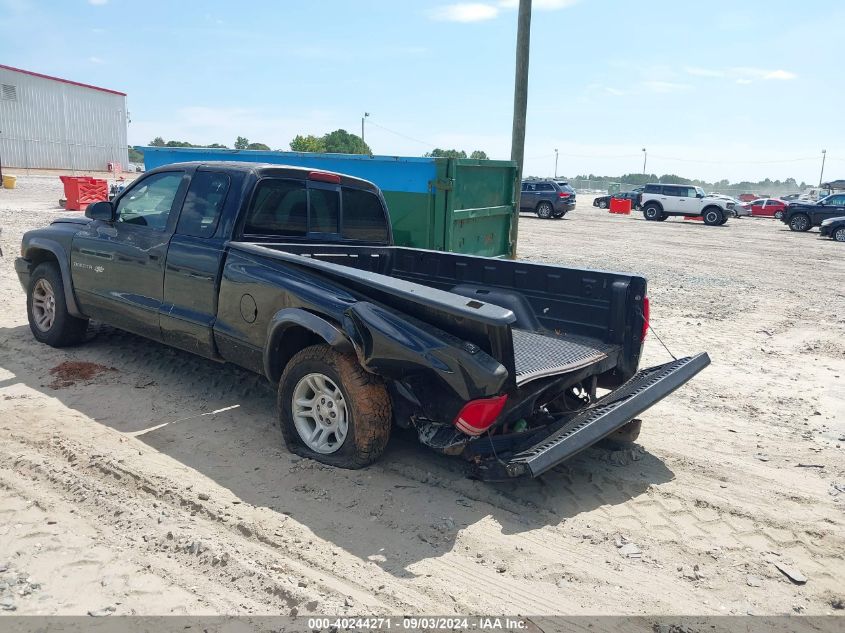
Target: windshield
x=699, y=191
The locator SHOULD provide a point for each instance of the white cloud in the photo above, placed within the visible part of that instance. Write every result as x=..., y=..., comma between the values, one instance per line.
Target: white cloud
x=742, y=74
x=96, y=60
x=465, y=12
x=666, y=87
x=98, y=2
x=780, y=74
x=540, y=5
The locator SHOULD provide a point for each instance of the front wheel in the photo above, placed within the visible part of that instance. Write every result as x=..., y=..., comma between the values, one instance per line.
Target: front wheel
x=778, y=215
x=544, y=210
x=800, y=223
x=602, y=204
x=839, y=234
x=46, y=309
x=331, y=410
x=713, y=217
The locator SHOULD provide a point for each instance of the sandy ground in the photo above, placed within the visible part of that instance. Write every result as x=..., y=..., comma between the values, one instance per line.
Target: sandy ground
x=740, y=471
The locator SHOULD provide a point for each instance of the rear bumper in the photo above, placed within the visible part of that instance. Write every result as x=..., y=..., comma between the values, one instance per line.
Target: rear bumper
x=23, y=267
x=561, y=440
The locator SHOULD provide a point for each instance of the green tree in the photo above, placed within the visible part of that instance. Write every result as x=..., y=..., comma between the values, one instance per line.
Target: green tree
x=157, y=142
x=261, y=146
x=479, y=155
x=308, y=143
x=342, y=142
x=445, y=153
x=217, y=146
x=241, y=142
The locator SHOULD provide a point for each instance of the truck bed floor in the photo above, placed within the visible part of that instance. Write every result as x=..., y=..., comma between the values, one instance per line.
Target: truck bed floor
x=540, y=355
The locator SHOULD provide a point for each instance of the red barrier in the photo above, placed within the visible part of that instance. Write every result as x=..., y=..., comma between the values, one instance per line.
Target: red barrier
x=80, y=191
x=619, y=205
x=695, y=218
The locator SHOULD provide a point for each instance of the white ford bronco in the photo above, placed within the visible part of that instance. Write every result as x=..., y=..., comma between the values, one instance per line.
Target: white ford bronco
x=658, y=202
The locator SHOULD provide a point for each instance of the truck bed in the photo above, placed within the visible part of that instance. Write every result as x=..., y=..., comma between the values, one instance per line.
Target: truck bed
x=537, y=320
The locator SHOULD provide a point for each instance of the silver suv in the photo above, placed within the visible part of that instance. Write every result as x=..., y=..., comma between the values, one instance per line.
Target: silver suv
x=659, y=201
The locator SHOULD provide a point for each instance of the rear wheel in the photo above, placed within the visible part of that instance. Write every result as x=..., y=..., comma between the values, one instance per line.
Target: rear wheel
x=624, y=436
x=544, y=210
x=653, y=212
x=46, y=309
x=839, y=234
x=602, y=204
x=778, y=215
x=713, y=216
x=724, y=219
x=800, y=222
x=331, y=410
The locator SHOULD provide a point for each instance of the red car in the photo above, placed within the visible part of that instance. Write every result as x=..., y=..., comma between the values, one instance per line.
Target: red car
x=766, y=208
x=747, y=197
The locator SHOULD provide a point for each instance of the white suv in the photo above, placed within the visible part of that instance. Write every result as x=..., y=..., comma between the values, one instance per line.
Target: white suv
x=658, y=202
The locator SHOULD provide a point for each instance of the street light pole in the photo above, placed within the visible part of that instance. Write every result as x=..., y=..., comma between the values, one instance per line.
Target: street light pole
x=520, y=107
x=363, y=118
x=555, y=163
x=645, y=158
x=821, y=175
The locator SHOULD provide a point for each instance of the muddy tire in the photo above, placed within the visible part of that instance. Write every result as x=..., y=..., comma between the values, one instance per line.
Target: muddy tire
x=46, y=309
x=331, y=410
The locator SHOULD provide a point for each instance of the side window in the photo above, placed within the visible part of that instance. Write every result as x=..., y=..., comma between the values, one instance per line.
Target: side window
x=525, y=186
x=652, y=189
x=838, y=200
x=150, y=201
x=324, y=211
x=203, y=203
x=278, y=207
x=692, y=192
x=670, y=191
x=544, y=186
x=363, y=216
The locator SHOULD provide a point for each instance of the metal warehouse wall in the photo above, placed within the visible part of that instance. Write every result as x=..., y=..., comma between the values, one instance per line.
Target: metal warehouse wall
x=50, y=124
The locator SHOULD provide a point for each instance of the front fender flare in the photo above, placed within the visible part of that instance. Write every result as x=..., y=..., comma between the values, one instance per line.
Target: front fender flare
x=63, y=259
x=297, y=317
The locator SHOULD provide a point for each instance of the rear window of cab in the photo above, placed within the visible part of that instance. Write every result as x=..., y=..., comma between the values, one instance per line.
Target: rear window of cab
x=291, y=208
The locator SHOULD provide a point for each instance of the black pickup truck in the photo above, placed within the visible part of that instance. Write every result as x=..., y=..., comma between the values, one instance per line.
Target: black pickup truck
x=291, y=273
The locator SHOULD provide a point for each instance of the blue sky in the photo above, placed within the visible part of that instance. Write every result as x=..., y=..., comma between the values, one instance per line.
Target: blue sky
x=713, y=89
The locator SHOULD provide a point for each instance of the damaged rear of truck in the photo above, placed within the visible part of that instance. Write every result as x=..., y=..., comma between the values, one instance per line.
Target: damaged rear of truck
x=514, y=366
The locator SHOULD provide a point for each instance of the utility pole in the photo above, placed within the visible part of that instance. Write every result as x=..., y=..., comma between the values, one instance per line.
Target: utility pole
x=645, y=158
x=555, y=163
x=520, y=107
x=363, y=118
x=821, y=176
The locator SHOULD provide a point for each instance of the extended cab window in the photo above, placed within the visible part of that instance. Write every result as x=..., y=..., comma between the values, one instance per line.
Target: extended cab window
x=150, y=201
x=203, y=204
x=652, y=189
x=325, y=210
x=363, y=216
x=279, y=207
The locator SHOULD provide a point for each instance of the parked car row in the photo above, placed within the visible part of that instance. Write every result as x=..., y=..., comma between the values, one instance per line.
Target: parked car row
x=828, y=214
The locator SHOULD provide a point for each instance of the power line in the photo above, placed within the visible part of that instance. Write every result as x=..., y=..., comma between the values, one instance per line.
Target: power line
x=405, y=136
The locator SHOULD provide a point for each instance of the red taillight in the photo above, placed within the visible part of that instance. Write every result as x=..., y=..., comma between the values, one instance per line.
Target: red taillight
x=477, y=415
x=646, y=317
x=563, y=194
x=324, y=177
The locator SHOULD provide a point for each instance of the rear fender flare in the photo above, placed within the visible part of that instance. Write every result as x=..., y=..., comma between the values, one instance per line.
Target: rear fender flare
x=63, y=259
x=280, y=326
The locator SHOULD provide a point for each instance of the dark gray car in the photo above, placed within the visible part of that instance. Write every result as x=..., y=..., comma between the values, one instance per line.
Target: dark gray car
x=547, y=198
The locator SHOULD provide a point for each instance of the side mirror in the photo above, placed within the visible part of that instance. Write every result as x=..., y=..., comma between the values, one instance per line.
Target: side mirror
x=699, y=195
x=100, y=211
